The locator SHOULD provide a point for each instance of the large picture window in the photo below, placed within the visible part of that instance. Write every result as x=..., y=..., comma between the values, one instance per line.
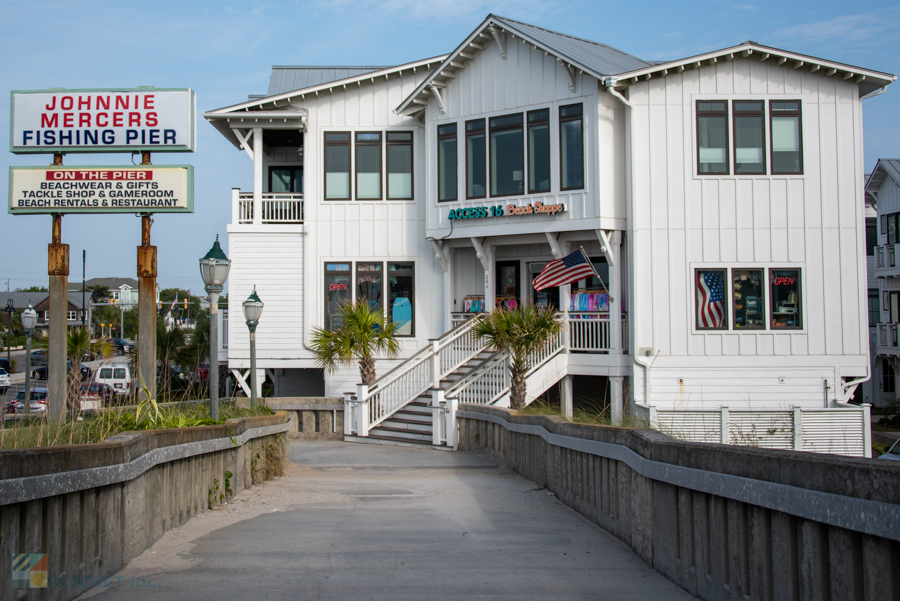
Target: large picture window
x=786, y=140
x=507, y=156
x=337, y=292
x=712, y=137
x=749, y=137
x=749, y=307
x=400, y=165
x=337, y=166
x=476, y=174
x=571, y=147
x=785, y=292
x=368, y=165
x=539, y=151
x=286, y=180
x=709, y=285
x=447, y=162
x=401, y=287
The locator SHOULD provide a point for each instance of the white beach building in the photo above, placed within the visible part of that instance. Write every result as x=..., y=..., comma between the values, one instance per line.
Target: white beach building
x=720, y=198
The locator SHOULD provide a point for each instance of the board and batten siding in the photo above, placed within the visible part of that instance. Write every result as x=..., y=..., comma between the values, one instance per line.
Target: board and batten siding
x=813, y=221
x=528, y=80
x=273, y=262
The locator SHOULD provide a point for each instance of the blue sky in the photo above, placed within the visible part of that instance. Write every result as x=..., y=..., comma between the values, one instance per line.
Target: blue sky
x=224, y=51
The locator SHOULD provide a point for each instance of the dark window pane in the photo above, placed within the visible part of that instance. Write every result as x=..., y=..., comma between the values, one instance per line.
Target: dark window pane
x=337, y=292
x=475, y=125
x=507, y=161
x=447, y=130
x=748, y=144
x=539, y=157
x=712, y=137
x=507, y=121
x=368, y=172
x=751, y=107
x=572, y=154
x=748, y=301
x=337, y=172
x=337, y=137
x=785, y=106
x=368, y=137
x=785, y=144
x=871, y=236
x=570, y=111
x=399, y=158
x=537, y=116
x=369, y=283
x=447, y=169
x=874, y=308
x=786, y=307
x=475, y=166
x=399, y=136
x=712, y=107
x=888, y=383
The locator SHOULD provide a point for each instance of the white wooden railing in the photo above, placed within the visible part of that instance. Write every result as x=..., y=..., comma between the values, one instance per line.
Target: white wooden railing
x=274, y=208
x=589, y=332
x=490, y=381
x=841, y=430
x=416, y=375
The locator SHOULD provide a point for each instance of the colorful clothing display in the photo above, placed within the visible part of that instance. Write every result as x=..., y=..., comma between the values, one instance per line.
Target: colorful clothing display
x=589, y=301
x=473, y=304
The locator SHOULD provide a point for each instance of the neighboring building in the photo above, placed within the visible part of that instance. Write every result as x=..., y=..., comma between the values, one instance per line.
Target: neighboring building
x=883, y=188
x=718, y=196
x=40, y=302
x=121, y=290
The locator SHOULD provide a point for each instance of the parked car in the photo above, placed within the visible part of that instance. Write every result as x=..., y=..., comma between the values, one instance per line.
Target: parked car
x=96, y=395
x=122, y=346
x=38, y=400
x=5, y=382
x=893, y=452
x=39, y=357
x=6, y=365
x=118, y=376
x=40, y=373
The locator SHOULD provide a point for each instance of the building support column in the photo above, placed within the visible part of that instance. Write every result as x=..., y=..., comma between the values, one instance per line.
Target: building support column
x=485, y=254
x=58, y=270
x=257, y=174
x=441, y=254
x=616, y=400
x=566, y=401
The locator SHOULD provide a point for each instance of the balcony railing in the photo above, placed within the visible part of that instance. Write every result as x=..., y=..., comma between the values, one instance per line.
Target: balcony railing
x=889, y=335
x=274, y=208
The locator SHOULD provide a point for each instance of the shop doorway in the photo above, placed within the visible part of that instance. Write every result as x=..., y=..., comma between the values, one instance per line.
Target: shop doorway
x=508, y=291
x=547, y=298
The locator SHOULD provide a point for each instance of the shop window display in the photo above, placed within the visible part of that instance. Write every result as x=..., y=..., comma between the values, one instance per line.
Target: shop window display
x=400, y=291
x=785, y=291
x=748, y=299
x=337, y=292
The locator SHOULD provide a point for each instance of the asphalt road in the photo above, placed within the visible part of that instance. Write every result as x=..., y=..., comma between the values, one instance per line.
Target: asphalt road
x=357, y=521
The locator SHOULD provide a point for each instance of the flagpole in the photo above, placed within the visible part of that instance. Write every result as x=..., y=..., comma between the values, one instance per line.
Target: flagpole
x=597, y=275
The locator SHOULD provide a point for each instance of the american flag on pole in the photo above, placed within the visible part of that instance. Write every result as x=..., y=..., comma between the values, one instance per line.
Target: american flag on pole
x=560, y=272
x=711, y=299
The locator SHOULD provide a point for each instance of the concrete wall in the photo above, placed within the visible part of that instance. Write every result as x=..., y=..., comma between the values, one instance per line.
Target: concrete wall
x=313, y=418
x=93, y=508
x=722, y=522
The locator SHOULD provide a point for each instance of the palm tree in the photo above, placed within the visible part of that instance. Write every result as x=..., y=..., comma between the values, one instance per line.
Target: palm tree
x=520, y=331
x=364, y=333
x=80, y=346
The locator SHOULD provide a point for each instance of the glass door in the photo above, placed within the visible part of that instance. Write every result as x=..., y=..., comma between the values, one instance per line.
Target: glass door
x=508, y=293
x=286, y=180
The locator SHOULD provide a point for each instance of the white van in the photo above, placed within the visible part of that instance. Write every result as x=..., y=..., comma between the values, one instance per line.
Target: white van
x=117, y=375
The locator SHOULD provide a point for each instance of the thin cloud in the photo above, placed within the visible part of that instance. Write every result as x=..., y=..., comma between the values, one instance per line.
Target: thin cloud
x=445, y=10
x=869, y=27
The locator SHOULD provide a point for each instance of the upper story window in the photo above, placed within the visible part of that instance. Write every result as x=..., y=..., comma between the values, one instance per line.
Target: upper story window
x=787, y=154
x=749, y=137
x=748, y=131
x=286, y=180
x=476, y=176
x=368, y=165
x=337, y=165
x=571, y=147
x=712, y=137
x=447, y=162
x=400, y=165
x=507, y=156
x=871, y=236
x=539, y=151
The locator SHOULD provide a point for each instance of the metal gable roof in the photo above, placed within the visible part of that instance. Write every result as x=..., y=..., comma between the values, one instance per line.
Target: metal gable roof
x=885, y=168
x=600, y=58
x=290, y=78
x=597, y=60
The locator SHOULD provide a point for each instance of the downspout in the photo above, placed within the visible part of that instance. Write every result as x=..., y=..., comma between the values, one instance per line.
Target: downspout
x=610, y=83
x=874, y=94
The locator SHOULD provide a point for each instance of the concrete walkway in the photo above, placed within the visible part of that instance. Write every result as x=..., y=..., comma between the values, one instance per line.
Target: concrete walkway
x=355, y=521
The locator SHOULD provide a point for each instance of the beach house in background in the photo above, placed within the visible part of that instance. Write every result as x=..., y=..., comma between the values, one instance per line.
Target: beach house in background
x=121, y=290
x=719, y=197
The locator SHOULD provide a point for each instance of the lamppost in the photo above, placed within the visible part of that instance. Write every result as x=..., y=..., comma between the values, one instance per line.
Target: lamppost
x=253, y=308
x=214, y=271
x=10, y=311
x=29, y=319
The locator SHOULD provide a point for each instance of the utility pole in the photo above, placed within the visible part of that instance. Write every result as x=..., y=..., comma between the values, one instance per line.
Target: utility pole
x=83, y=306
x=146, y=271
x=58, y=270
